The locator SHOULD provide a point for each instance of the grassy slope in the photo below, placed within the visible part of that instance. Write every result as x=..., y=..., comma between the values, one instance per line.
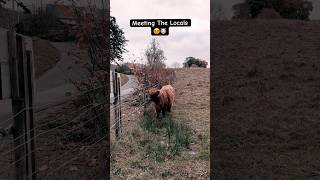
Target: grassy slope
x=266, y=99
x=192, y=105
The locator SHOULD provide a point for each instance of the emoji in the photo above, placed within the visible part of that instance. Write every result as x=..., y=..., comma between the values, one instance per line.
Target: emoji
x=156, y=31
x=163, y=30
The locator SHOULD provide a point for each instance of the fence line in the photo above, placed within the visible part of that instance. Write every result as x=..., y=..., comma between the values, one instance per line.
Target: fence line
x=43, y=124
x=53, y=103
x=43, y=133
x=57, y=118
x=12, y=117
x=83, y=110
x=68, y=150
x=61, y=126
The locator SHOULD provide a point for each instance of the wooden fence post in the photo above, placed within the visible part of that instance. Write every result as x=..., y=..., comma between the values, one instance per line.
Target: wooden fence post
x=21, y=75
x=29, y=103
x=119, y=102
x=115, y=103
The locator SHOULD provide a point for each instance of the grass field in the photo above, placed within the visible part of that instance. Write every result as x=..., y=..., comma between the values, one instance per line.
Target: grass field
x=265, y=90
x=131, y=160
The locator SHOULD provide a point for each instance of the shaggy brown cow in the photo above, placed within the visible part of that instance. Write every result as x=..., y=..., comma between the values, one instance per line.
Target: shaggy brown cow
x=163, y=98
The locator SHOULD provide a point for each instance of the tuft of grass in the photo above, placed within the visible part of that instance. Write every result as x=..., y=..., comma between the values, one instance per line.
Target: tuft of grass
x=166, y=173
x=149, y=123
x=177, y=134
x=156, y=151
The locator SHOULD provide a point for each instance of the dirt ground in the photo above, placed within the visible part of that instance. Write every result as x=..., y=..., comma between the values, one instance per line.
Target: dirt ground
x=265, y=85
x=124, y=79
x=45, y=56
x=191, y=105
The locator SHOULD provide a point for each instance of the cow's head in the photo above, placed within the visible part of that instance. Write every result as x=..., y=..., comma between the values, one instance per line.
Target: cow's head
x=153, y=94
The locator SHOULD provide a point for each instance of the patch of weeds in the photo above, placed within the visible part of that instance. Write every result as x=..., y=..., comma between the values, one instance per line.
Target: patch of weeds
x=137, y=164
x=166, y=173
x=79, y=135
x=178, y=136
x=136, y=133
x=118, y=172
x=150, y=123
x=144, y=142
x=155, y=151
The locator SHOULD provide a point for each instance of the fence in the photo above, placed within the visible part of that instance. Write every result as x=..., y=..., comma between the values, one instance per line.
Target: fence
x=116, y=82
x=59, y=140
x=122, y=100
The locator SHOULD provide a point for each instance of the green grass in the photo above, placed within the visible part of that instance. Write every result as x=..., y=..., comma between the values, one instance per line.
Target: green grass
x=177, y=137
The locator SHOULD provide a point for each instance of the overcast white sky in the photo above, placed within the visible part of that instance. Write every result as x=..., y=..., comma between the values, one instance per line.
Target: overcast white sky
x=181, y=42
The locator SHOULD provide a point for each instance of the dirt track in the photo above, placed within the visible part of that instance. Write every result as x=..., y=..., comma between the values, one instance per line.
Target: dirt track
x=266, y=77
x=45, y=56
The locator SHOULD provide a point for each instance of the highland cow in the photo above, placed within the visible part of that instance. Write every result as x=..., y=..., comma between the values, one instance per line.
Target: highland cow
x=163, y=98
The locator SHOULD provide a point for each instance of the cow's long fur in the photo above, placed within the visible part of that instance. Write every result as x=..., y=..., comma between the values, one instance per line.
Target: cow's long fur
x=163, y=98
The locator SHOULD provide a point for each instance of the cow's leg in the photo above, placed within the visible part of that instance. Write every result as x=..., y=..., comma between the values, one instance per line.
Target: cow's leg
x=163, y=112
x=158, y=110
x=169, y=108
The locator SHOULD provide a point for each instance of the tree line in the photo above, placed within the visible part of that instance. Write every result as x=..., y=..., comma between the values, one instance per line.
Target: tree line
x=289, y=9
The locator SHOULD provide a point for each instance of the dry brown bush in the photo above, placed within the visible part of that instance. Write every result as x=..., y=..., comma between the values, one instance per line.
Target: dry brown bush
x=154, y=76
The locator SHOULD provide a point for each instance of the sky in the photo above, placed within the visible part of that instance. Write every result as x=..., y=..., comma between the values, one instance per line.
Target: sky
x=181, y=41
x=227, y=7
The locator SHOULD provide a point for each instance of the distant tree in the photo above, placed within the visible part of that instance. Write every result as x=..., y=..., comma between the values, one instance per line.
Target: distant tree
x=189, y=61
x=154, y=54
x=241, y=10
x=256, y=6
x=123, y=68
x=291, y=9
x=218, y=11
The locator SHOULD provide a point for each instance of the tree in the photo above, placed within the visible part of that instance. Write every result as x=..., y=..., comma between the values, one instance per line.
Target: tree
x=218, y=11
x=293, y=9
x=290, y=9
x=189, y=61
x=256, y=6
x=117, y=41
x=124, y=69
x=154, y=54
x=241, y=10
